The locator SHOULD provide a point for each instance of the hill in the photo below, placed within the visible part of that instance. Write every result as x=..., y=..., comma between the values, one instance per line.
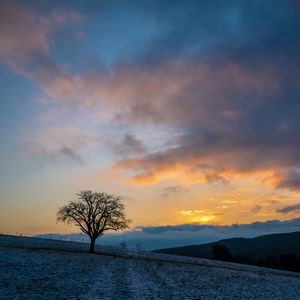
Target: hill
x=33, y=268
x=279, y=251
x=271, y=244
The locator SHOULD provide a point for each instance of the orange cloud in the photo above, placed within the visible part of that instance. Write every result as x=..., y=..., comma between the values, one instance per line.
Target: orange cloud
x=25, y=40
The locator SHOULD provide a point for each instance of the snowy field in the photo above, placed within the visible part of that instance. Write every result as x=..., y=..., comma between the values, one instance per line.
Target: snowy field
x=32, y=268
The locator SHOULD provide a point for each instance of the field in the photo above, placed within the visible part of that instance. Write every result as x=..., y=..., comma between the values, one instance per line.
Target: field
x=34, y=268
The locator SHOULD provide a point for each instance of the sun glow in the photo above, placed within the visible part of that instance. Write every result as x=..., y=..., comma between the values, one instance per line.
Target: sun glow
x=205, y=218
x=197, y=216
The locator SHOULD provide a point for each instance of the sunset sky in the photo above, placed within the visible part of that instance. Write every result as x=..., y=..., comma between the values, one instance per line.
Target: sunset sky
x=188, y=110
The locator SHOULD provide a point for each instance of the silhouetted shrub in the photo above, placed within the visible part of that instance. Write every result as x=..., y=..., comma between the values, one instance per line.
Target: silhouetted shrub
x=289, y=261
x=285, y=261
x=269, y=261
x=221, y=252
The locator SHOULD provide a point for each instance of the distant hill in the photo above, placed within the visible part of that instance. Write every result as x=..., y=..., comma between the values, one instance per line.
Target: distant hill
x=259, y=247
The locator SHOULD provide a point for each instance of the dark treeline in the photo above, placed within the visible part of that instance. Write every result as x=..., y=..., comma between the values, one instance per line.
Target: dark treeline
x=284, y=261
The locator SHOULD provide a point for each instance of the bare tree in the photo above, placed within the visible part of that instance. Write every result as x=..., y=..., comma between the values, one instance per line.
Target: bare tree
x=94, y=213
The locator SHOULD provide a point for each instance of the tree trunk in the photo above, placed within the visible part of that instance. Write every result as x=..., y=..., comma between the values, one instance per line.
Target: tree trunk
x=92, y=246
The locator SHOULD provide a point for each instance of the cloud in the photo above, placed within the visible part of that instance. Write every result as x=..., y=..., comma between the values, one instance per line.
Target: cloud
x=173, y=190
x=264, y=226
x=129, y=145
x=215, y=178
x=289, y=180
x=68, y=152
x=26, y=36
x=288, y=209
x=256, y=209
x=231, y=104
x=158, y=237
x=60, y=145
x=235, y=28
x=22, y=34
x=227, y=82
x=219, y=125
x=57, y=154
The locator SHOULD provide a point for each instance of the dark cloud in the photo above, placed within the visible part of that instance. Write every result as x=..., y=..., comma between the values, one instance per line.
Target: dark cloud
x=71, y=154
x=235, y=29
x=256, y=209
x=268, y=225
x=215, y=178
x=173, y=190
x=291, y=180
x=129, y=145
x=42, y=154
x=288, y=209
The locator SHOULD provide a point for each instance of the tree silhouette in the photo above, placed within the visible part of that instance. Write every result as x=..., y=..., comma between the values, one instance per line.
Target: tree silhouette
x=94, y=213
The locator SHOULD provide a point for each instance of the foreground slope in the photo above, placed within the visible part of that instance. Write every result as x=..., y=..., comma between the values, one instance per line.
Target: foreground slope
x=43, y=269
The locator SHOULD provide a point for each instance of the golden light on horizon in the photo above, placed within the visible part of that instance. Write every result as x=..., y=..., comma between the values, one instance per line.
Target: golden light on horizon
x=205, y=218
x=197, y=216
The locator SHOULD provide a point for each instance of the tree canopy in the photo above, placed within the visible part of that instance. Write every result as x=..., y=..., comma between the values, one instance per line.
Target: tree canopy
x=94, y=213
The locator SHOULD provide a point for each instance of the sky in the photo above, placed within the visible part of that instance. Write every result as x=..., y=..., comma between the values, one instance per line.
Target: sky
x=187, y=110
